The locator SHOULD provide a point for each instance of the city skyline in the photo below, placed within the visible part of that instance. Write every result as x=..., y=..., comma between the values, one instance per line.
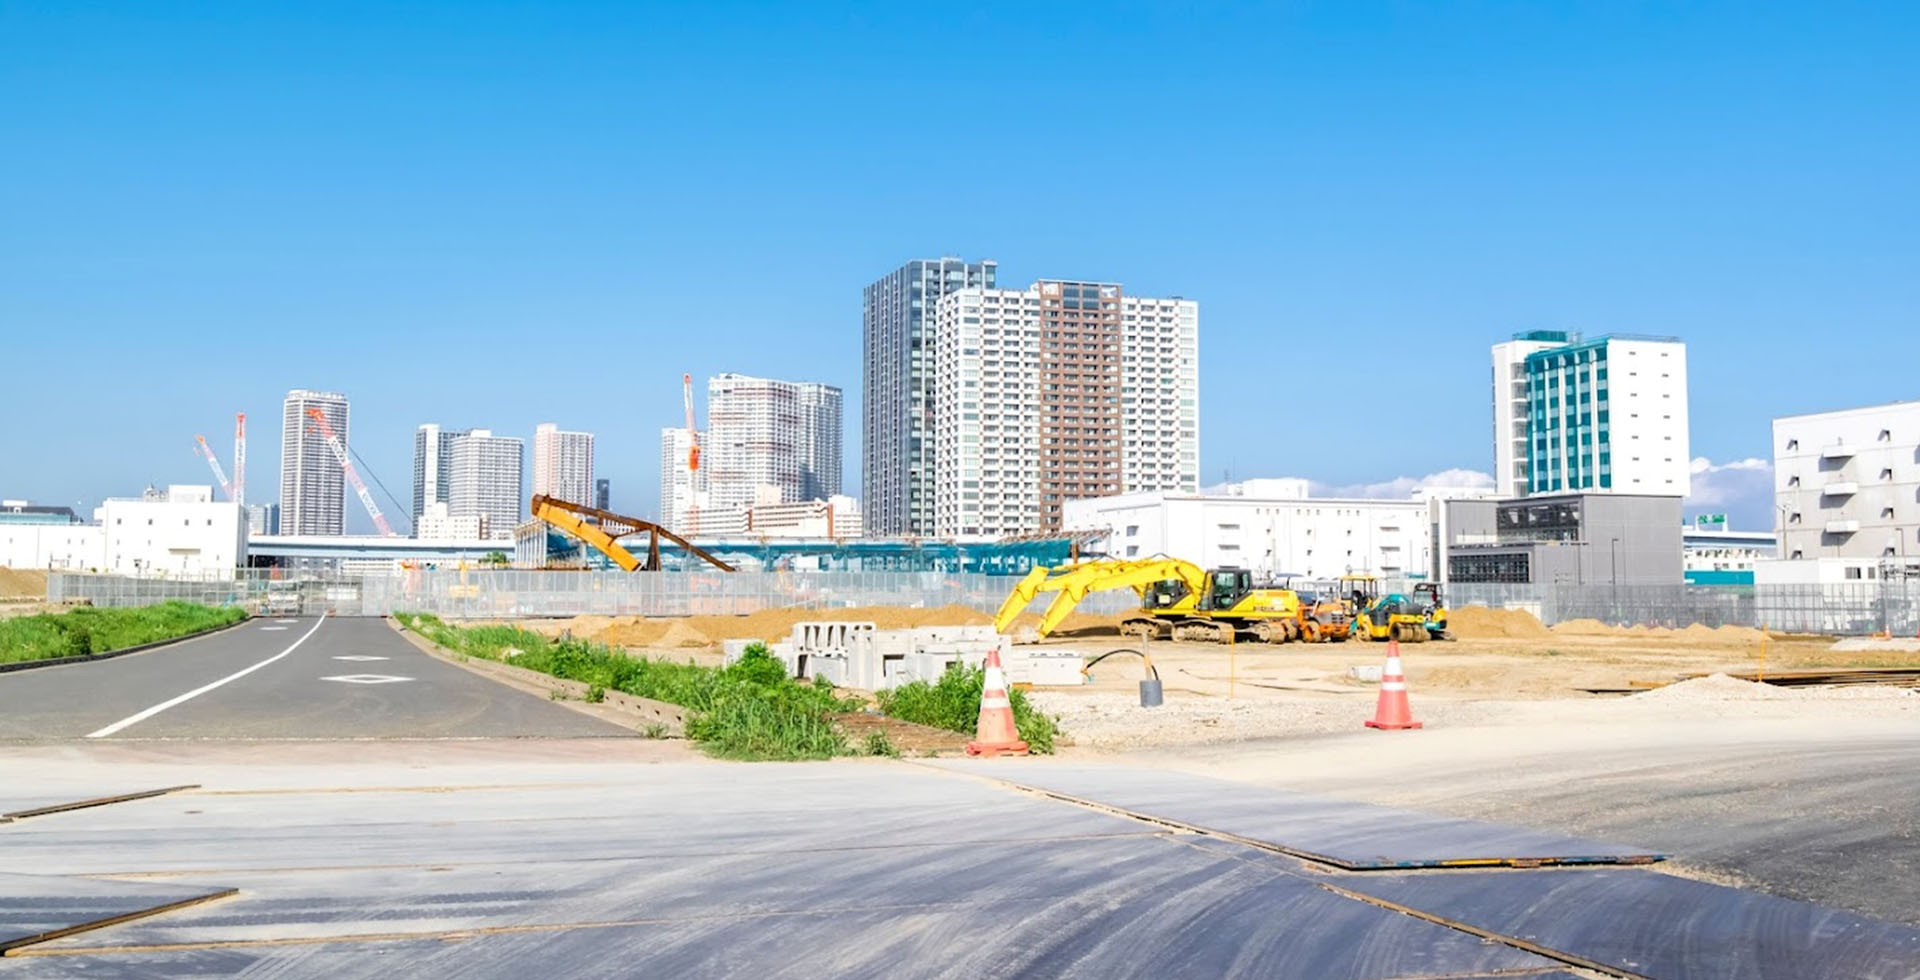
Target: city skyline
x=1359, y=197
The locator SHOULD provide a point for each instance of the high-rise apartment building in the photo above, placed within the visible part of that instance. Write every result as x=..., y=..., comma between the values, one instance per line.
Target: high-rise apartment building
x=896, y=432
x=767, y=433
x=484, y=481
x=1061, y=391
x=603, y=493
x=432, y=467
x=312, y=488
x=563, y=463
x=1607, y=415
x=681, y=489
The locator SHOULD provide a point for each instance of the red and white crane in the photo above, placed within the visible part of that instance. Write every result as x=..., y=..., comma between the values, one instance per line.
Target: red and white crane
x=219, y=473
x=693, y=460
x=240, y=458
x=353, y=475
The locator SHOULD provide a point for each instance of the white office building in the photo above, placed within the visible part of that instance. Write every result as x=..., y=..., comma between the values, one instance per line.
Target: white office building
x=682, y=490
x=897, y=316
x=180, y=531
x=439, y=524
x=1059, y=392
x=1847, y=493
x=484, y=481
x=312, y=486
x=563, y=463
x=1272, y=527
x=762, y=432
x=1607, y=415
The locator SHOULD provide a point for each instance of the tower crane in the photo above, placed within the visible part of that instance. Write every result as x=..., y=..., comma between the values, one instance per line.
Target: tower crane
x=353, y=475
x=693, y=458
x=219, y=473
x=240, y=458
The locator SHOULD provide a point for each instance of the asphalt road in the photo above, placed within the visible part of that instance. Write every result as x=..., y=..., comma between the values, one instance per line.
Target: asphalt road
x=302, y=678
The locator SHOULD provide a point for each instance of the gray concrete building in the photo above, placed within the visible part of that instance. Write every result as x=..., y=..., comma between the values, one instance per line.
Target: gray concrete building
x=1568, y=539
x=896, y=432
x=484, y=480
x=432, y=466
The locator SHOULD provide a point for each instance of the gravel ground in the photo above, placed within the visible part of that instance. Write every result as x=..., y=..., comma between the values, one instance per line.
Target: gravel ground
x=1114, y=721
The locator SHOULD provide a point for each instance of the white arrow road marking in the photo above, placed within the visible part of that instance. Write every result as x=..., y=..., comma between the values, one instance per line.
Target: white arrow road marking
x=367, y=679
x=359, y=656
x=196, y=692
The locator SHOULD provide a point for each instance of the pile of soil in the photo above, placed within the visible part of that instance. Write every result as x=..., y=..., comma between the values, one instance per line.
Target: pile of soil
x=23, y=583
x=767, y=624
x=1482, y=623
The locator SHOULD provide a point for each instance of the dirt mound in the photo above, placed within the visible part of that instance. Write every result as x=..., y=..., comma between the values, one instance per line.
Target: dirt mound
x=1714, y=687
x=1482, y=623
x=1585, y=627
x=23, y=583
x=767, y=624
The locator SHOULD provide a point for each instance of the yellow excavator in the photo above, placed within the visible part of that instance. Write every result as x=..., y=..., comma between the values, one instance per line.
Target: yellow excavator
x=1176, y=597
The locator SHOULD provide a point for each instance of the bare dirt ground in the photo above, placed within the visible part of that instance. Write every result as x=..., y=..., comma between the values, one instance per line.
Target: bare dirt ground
x=23, y=591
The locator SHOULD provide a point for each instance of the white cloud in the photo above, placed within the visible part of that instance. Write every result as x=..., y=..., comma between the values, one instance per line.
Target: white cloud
x=1402, y=487
x=1742, y=489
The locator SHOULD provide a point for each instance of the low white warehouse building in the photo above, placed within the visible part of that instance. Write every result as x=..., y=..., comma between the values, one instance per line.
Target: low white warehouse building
x=1270, y=526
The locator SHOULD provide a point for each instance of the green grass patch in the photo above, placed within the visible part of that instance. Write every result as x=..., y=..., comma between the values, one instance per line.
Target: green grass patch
x=86, y=630
x=748, y=710
x=953, y=703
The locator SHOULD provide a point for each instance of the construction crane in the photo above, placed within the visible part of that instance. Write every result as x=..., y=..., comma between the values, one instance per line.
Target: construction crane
x=240, y=458
x=692, y=520
x=603, y=528
x=353, y=475
x=213, y=462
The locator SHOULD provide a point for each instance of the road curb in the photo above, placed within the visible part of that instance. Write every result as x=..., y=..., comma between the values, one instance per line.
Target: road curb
x=86, y=658
x=625, y=707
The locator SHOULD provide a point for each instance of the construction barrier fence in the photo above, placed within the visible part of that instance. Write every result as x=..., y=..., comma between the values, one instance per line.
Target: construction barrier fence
x=1889, y=606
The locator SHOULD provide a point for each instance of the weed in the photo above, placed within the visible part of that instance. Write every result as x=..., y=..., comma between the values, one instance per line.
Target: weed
x=655, y=730
x=953, y=703
x=88, y=630
x=555, y=694
x=877, y=743
x=596, y=694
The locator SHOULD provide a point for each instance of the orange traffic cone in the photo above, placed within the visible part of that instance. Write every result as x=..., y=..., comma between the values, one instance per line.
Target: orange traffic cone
x=995, y=735
x=1393, y=712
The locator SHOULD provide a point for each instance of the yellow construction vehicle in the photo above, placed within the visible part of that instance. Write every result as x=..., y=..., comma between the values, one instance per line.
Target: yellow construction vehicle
x=603, y=529
x=1325, y=618
x=1426, y=595
x=1177, y=598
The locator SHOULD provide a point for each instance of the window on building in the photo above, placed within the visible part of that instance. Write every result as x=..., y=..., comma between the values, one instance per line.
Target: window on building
x=1886, y=474
x=1793, y=481
x=1850, y=573
x=1793, y=444
x=1886, y=435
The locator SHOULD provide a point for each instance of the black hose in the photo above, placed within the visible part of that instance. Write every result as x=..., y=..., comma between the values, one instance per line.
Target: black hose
x=1149, y=661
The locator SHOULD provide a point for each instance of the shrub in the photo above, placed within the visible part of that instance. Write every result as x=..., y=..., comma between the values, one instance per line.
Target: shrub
x=953, y=703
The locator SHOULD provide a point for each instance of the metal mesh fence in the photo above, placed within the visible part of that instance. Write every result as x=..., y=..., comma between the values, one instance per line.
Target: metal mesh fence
x=1848, y=609
x=487, y=594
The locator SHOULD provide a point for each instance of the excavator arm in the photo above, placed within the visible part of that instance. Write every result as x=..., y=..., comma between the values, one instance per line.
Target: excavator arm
x=1053, y=579
x=604, y=532
x=1121, y=575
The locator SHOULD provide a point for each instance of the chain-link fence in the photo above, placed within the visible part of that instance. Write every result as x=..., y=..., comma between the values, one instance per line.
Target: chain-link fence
x=488, y=594
x=1849, y=609
x=1841, y=609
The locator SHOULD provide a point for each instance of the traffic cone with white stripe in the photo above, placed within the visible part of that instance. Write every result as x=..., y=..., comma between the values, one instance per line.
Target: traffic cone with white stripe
x=1393, y=711
x=995, y=734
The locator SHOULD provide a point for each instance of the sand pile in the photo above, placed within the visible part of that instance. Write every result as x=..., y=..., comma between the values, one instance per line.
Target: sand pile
x=23, y=583
x=1714, y=687
x=1481, y=623
x=767, y=624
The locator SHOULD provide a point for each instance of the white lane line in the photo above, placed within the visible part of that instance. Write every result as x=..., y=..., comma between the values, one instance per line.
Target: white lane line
x=359, y=656
x=283, y=622
x=272, y=629
x=367, y=679
x=196, y=692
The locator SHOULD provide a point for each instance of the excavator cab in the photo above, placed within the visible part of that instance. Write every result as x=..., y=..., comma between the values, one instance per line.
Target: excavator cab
x=1164, y=594
x=1225, y=588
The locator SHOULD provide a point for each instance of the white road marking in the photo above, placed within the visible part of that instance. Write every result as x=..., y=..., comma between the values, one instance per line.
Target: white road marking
x=286, y=620
x=196, y=692
x=271, y=629
x=359, y=656
x=367, y=679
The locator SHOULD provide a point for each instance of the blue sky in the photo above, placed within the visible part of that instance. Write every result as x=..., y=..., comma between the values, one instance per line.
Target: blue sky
x=497, y=214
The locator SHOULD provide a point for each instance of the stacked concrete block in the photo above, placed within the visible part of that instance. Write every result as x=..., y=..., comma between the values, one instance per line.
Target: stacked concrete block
x=859, y=655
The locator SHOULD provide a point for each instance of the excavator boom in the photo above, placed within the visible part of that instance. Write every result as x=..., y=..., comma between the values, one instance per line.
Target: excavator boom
x=607, y=527
x=1074, y=583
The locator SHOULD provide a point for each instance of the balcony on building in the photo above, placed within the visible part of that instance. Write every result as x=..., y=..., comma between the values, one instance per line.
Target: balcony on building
x=1840, y=488
x=1838, y=450
x=1842, y=527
